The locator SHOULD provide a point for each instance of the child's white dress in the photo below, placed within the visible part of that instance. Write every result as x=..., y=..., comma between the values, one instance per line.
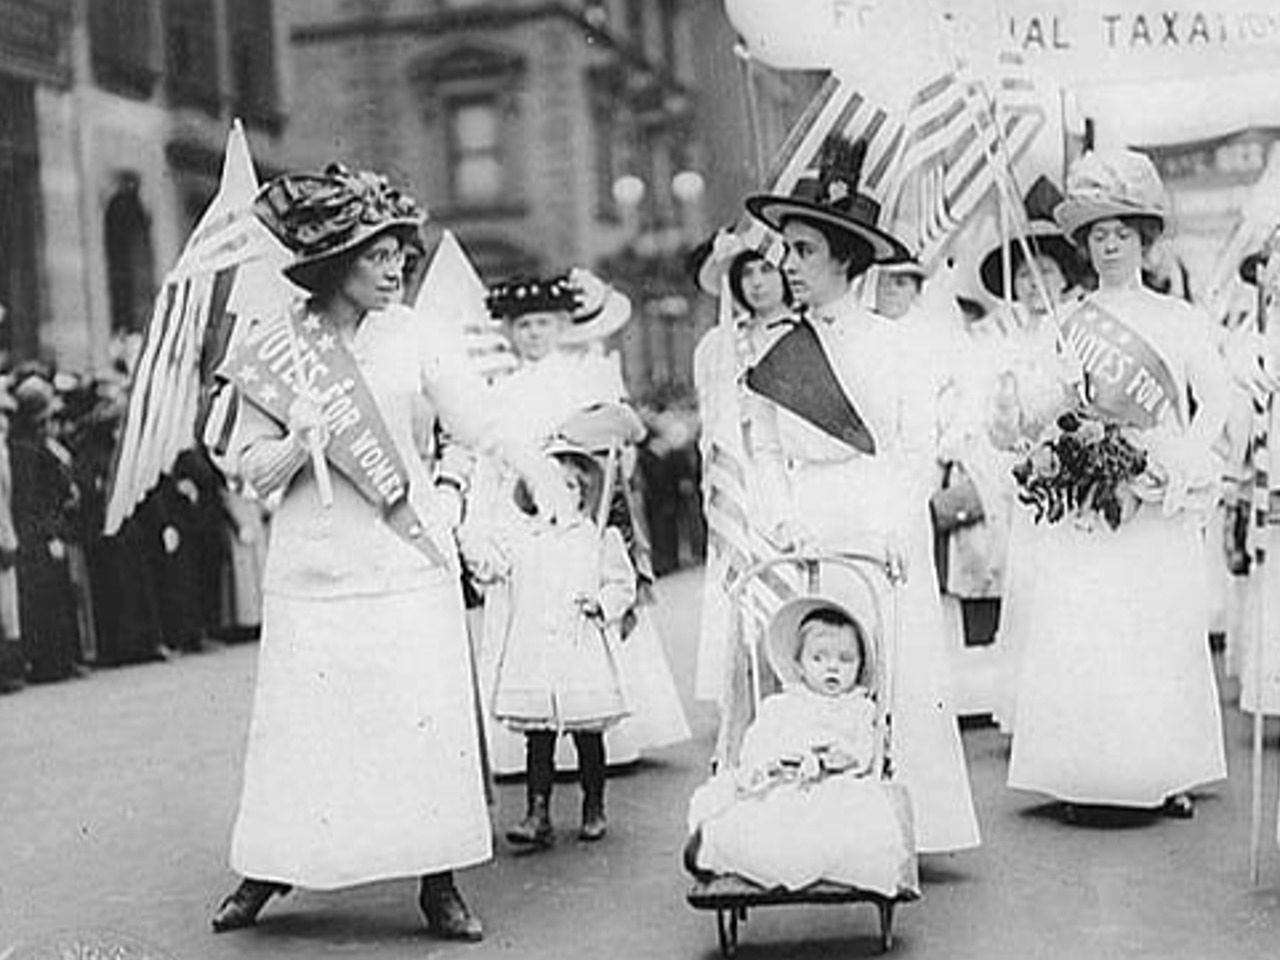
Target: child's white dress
x=765, y=822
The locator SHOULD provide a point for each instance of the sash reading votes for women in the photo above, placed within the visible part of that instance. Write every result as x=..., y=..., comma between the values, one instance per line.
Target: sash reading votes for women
x=1126, y=376
x=263, y=367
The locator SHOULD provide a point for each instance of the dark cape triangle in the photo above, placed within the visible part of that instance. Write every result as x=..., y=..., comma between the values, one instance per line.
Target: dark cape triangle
x=796, y=374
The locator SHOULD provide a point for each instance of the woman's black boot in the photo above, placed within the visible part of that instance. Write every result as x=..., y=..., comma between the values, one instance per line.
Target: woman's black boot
x=242, y=907
x=443, y=907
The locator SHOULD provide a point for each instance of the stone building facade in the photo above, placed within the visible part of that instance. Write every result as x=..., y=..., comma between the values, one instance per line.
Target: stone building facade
x=113, y=117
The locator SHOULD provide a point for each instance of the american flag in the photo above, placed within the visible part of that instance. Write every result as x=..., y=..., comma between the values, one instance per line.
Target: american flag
x=963, y=135
x=194, y=314
x=838, y=107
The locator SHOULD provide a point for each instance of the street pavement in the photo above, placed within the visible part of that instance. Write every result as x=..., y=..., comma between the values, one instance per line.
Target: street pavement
x=117, y=794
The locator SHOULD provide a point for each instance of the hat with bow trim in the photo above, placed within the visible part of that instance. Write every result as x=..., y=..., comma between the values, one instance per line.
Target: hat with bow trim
x=319, y=216
x=783, y=640
x=1100, y=186
x=831, y=197
x=1043, y=236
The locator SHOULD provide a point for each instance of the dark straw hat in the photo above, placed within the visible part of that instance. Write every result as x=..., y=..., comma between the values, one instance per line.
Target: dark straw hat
x=832, y=198
x=319, y=216
x=523, y=295
x=1044, y=237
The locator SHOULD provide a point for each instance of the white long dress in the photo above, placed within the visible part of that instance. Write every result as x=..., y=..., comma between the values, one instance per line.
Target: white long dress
x=533, y=402
x=363, y=758
x=719, y=362
x=847, y=500
x=1117, y=702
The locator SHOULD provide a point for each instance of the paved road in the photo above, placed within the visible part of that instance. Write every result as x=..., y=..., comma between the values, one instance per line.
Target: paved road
x=117, y=794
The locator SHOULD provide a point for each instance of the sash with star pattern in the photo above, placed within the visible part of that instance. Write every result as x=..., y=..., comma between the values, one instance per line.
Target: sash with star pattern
x=1126, y=376
x=262, y=366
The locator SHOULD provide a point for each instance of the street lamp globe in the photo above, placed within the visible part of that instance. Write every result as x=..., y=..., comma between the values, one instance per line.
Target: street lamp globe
x=628, y=191
x=688, y=186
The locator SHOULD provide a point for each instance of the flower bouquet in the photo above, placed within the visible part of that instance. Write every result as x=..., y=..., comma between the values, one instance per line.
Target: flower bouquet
x=1085, y=464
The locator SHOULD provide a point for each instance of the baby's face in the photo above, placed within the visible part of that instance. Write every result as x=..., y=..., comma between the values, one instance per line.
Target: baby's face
x=830, y=659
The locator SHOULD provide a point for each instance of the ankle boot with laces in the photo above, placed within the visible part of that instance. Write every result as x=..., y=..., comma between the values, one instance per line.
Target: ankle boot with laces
x=241, y=908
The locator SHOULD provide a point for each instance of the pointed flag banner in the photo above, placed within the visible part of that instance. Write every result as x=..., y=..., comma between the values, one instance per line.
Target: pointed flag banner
x=229, y=265
x=453, y=294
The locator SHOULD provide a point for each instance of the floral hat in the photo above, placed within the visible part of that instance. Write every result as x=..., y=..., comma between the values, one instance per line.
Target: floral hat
x=831, y=197
x=523, y=295
x=1123, y=183
x=782, y=640
x=1044, y=237
x=321, y=215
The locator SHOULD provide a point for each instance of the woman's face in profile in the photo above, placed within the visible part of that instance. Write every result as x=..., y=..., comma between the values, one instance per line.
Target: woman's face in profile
x=373, y=280
x=536, y=335
x=816, y=277
x=762, y=287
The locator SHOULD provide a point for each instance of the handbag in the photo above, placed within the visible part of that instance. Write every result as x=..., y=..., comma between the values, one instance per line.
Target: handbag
x=957, y=504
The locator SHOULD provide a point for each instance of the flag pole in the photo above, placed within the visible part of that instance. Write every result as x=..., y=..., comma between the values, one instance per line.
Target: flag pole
x=319, y=465
x=1262, y=462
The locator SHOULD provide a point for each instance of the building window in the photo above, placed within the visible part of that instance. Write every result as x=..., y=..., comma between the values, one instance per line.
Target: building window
x=123, y=47
x=130, y=258
x=475, y=151
x=191, y=54
x=604, y=130
x=20, y=235
x=636, y=22
x=670, y=47
x=252, y=40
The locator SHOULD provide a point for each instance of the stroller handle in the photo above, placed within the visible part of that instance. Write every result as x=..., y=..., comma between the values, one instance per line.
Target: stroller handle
x=888, y=563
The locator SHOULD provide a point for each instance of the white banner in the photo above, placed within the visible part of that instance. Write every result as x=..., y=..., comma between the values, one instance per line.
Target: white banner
x=1080, y=42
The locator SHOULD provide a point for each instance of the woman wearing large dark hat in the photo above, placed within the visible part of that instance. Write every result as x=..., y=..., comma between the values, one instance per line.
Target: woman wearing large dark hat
x=1113, y=643
x=843, y=443
x=363, y=759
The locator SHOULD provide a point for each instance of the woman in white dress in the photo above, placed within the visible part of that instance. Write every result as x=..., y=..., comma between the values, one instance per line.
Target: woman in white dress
x=851, y=468
x=1116, y=701
x=556, y=380
x=363, y=758
x=730, y=491
x=1023, y=378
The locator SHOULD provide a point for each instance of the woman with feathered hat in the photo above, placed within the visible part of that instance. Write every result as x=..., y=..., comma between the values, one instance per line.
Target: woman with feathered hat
x=363, y=759
x=845, y=451
x=1114, y=629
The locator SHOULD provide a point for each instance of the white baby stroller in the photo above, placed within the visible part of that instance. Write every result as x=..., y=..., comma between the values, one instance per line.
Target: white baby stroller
x=756, y=595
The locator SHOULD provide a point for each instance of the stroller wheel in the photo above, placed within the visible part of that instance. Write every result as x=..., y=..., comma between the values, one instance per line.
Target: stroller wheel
x=886, y=925
x=727, y=930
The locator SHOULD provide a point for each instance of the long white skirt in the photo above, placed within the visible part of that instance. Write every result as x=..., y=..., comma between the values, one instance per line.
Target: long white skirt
x=1117, y=702
x=363, y=759
x=856, y=505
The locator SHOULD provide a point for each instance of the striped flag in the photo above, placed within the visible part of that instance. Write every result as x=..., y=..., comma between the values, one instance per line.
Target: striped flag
x=838, y=107
x=962, y=134
x=452, y=292
x=194, y=318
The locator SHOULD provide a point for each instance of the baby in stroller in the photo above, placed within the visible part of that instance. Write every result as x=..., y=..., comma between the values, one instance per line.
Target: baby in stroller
x=805, y=802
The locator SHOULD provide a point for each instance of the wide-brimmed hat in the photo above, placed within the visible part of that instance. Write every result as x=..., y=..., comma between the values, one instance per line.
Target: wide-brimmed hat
x=1103, y=185
x=1044, y=237
x=600, y=426
x=318, y=216
x=831, y=197
x=782, y=639
x=587, y=326
x=565, y=451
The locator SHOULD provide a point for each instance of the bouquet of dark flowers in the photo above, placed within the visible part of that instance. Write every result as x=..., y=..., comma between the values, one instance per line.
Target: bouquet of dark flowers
x=1084, y=464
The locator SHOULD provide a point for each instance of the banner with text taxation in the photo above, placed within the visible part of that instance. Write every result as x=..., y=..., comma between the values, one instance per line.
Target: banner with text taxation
x=266, y=365
x=1127, y=377
x=1078, y=41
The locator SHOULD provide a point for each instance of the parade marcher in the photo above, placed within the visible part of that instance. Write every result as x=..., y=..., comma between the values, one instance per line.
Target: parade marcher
x=729, y=489
x=363, y=759
x=1114, y=638
x=1021, y=378
x=550, y=387
x=571, y=584
x=846, y=452
x=245, y=561
x=13, y=663
x=45, y=499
